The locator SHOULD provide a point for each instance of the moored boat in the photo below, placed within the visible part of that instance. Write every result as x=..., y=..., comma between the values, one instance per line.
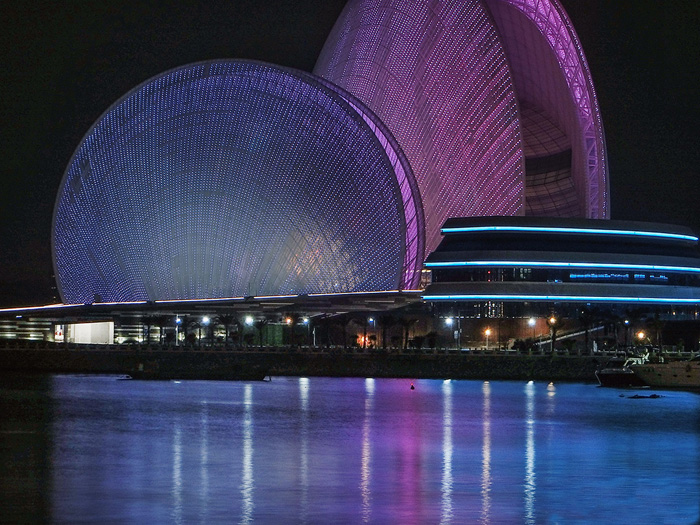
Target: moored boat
x=616, y=373
x=682, y=375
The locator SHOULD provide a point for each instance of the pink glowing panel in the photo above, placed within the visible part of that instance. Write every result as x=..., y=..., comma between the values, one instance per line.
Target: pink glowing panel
x=589, y=155
x=438, y=77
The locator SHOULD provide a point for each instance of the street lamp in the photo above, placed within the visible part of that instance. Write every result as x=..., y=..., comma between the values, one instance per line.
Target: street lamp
x=248, y=320
x=532, y=322
x=305, y=320
x=205, y=323
x=178, y=322
x=552, y=322
x=487, y=333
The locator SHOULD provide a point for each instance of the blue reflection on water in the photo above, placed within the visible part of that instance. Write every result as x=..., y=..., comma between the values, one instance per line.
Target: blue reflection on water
x=349, y=450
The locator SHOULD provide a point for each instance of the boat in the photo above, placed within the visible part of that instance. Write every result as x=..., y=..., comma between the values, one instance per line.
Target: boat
x=681, y=375
x=616, y=373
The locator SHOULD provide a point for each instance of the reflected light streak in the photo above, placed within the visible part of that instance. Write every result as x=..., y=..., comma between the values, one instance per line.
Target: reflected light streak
x=204, y=462
x=177, y=474
x=530, y=479
x=447, y=450
x=304, y=452
x=486, y=456
x=247, y=478
x=365, y=477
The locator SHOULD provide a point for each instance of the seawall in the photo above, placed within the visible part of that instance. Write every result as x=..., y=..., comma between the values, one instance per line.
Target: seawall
x=227, y=364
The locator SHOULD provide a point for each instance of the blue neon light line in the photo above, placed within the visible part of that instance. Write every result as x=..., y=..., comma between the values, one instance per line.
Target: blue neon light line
x=561, y=264
x=665, y=235
x=557, y=298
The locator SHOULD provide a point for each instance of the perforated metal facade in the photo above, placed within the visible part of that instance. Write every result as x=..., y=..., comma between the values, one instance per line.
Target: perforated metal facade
x=491, y=100
x=231, y=178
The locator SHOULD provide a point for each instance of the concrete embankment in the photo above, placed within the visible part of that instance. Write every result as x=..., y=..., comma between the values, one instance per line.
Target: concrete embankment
x=284, y=362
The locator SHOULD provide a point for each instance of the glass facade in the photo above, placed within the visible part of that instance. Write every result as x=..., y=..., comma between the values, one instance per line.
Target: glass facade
x=523, y=259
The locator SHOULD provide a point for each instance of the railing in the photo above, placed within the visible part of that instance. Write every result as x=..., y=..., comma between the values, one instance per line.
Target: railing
x=18, y=344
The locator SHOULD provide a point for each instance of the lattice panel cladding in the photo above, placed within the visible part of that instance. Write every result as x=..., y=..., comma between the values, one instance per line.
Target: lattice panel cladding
x=229, y=178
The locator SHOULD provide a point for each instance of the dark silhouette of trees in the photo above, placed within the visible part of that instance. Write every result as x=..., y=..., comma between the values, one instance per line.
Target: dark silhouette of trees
x=406, y=324
x=162, y=321
x=260, y=325
x=387, y=322
x=226, y=320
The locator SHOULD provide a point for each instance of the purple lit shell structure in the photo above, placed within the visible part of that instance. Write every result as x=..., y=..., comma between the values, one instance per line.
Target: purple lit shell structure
x=230, y=178
x=491, y=101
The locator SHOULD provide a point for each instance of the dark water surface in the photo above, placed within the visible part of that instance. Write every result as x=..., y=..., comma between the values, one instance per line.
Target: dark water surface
x=318, y=450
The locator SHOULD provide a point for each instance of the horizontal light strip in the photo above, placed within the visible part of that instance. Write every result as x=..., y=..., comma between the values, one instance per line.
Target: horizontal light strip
x=34, y=308
x=275, y=296
x=116, y=303
x=557, y=298
x=340, y=294
x=219, y=299
x=562, y=264
x=547, y=229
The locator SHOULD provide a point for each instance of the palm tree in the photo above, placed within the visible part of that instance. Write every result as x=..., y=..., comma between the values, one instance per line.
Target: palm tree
x=260, y=324
x=586, y=316
x=197, y=326
x=406, y=323
x=655, y=323
x=148, y=323
x=361, y=320
x=387, y=322
x=226, y=320
x=161, y=322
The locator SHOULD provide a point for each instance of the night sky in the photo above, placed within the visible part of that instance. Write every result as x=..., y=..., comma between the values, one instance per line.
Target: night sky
x=65, y=62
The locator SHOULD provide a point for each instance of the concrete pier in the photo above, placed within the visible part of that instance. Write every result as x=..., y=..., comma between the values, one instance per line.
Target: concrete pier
x=222, y=363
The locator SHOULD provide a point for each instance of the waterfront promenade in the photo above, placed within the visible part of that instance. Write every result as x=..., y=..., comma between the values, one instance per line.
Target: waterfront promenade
x=222, y=363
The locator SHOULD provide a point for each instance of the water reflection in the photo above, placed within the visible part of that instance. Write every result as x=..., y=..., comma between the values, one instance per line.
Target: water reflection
x=345, y=451
x=247, y=503
x=365, y=476
x=446, y=510
x=177, y=473
x=486, y=455
x=204, y=461
x=304, y=446
x=530, y=452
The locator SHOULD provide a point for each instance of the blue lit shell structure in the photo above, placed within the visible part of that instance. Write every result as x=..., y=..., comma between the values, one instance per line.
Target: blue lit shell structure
x=230, y=178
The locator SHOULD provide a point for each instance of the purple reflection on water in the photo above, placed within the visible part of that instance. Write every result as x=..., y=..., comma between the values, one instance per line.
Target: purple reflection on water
x=312, y=450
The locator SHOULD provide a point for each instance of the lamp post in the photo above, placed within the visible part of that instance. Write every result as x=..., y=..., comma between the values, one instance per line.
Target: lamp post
x=552, y=322
x=487, y=332
x=531, y=323
x=450, y=322
x=178, y=322
x=205, y=323
x=305, y=320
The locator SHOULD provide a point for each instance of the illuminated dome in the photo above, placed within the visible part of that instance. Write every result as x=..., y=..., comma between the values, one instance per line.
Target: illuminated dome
x=229, y=178
x=491, y=101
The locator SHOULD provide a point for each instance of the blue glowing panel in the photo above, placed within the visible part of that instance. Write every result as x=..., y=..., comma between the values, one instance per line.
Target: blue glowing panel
x=229, y=178
x=562, y=264
x=562, y=298
x=550, y=229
